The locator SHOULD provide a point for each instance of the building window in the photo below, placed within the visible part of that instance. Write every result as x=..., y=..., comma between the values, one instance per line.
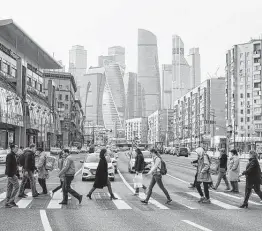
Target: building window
x=241, y=103
x=66, y=106
x=248, y=119
x=242, y=111
x=35, y=84
x=248, y=127
x=66, y=98
x=248, y=95
x=248, y=135
x=241, y=95
x=242, y=120
x=41, y=87
x=67, y=87
x=29, y=81
x=60, y=97
x=248, y=111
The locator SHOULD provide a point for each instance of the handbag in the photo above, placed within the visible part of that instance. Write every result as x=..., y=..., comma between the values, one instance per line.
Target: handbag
x=138, y=180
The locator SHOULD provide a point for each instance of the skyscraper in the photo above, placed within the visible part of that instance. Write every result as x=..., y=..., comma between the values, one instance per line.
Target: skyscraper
x=167, y=77
x=195, y=72
x=119, y=54
x=181, y=69
x=148, y=72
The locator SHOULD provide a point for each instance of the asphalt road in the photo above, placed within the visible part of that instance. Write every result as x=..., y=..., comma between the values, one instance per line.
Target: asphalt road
x=127, y=213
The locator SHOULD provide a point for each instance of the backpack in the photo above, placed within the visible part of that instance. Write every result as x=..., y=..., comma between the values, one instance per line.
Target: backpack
x=50, y=163
x=163, y=169
x=21, y=159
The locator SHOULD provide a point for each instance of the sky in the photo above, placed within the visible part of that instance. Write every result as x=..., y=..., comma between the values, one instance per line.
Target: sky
x=213, y=26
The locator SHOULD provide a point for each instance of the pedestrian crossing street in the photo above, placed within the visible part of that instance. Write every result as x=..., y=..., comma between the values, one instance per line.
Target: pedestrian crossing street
x=101, y=200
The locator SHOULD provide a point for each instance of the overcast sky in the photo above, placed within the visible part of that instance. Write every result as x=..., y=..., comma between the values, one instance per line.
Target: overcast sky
x=213, y=26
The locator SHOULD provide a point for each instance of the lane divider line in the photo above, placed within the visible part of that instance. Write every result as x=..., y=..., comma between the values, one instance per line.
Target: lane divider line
x=196, y=225
x=141, y=195
x=178, y=179
x=215, y=202
x=45, y=221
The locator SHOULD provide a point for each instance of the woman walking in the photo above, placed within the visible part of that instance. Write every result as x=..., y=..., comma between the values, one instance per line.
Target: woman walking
x=233, y=170
x=203, y=175
x=139, y=168
x=102, y=179
x=253, y=174
x=61, y=159
x=42, y=172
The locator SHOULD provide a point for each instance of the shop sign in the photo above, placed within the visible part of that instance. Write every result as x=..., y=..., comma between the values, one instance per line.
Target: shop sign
x=9, y=52
x=34, y=69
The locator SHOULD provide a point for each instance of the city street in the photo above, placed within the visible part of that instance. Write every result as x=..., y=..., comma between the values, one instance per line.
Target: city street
x=127, y=213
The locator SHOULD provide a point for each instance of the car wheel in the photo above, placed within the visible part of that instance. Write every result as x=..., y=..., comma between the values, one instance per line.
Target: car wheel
x=83, y=179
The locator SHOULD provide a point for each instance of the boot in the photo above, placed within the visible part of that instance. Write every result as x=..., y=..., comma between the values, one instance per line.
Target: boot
x=233, y=186
x=236, y=187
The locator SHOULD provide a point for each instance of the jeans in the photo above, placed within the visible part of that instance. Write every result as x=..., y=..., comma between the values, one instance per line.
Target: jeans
x=248, y=191
x=28, y=175
x=234, y=185
x=58, y=187
x=199, y=189
x=157, y=178
x=67, y=188
x=222, y=175
x=42, y=183
x=12, y=189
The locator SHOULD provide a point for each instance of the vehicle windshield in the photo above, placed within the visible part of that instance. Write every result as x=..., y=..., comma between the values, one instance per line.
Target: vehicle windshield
x=95, y=159
x=146, y=154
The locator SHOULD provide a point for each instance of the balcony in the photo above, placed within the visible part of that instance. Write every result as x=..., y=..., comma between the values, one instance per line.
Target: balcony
x=257, y=54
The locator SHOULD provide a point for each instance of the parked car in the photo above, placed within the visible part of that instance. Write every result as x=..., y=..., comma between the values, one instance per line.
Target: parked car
x=74, y=150
x=147, y=158
x=90, y=165
x=55, y=151
x=114, y=158
x=173, y=151
x=3, y=154
x=182, y=152
x=83, y=150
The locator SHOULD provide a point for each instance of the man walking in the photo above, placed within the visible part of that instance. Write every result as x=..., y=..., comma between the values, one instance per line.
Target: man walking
x=29, y=168
x=11, y=171
x=68, y=171
x=156, y=178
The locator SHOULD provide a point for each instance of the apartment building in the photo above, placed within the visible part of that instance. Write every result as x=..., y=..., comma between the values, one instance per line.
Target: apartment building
x=136, y=129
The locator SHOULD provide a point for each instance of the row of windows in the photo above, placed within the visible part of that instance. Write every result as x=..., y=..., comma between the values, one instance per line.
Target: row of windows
x=62, y=105
x=60, y=97
x=7, y=68
x=33, y=83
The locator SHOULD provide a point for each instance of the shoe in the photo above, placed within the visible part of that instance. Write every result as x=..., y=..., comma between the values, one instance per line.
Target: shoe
x=13, y=204
x=63, y=203
x=168, y=201
x=8, y=206
x=144, y=202
x=25, y=195
x=22, y=196
x=191, y=186
x=89, y=196
x=113, y=197
x=227, y=189
x=213, y=187
x=36, y=195
x=243, y=206
x=235, y=191
x=206, y=201
x=51, y=193
x=80, y=199
x=201, y=199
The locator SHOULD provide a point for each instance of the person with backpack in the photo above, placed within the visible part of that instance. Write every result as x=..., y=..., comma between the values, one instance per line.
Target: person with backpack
x=203, y=175
x=139, y=168
x=157, y=170
x=42, y=172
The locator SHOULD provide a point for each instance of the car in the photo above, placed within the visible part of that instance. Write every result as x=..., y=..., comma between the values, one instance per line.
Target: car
x=3, y=154
x=114, y=157
x=182, y=152
x=148, y=158
x=83, y=150
x=90, y=165
x=55, y=151
x=74, y=150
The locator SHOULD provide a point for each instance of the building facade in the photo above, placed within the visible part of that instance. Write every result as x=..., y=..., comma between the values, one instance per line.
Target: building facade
x=198, y=115
x=136, y=130
x=243, y=94
x=26, y=114
x=195, y=70
x=167, y=82
x=148, y=72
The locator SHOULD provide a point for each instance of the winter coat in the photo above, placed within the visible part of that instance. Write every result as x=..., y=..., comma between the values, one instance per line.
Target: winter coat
x=29, y=161
x=68, y=167
x=203, y=174
x=42, y=172
x=11, y=168
x=252, y=172
x=101, y=174
x=233, y=168
x=223, y=163
x=139, y=163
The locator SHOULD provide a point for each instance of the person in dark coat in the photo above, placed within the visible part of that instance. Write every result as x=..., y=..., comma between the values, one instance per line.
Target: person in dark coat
x=253, y=174
x=102, y=179
x=139, y=167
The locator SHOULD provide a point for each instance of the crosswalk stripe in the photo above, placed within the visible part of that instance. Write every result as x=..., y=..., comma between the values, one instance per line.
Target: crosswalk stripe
x=54, y=202
x=183, y=202
x=2, y=196
x=142, y=196
x=24, y=202
x=215, y=202
x=120, y=204
x=238, y=198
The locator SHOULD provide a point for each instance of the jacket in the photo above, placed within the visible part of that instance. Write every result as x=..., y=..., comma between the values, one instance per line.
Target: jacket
x=42, y=172
x=11, y=165
x=223, y=162
x=68, y=167
x=139, y=163
x=29, y=161
x=60, y=166
x=101, y=174
x=203, y=165
x=155, y=169
x=233, y=168
x=252, y=172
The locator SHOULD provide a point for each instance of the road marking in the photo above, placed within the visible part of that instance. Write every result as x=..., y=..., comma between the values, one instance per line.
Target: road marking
x=141, y=195
x=120, y=204
x=78, y=172
x=196, y=225
x=24, y=202
x=182, y=201
x=2, y=196
x=45, y=221
x=239, y=198
x=178, y=179
x=215, y=202
x=54, y=202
